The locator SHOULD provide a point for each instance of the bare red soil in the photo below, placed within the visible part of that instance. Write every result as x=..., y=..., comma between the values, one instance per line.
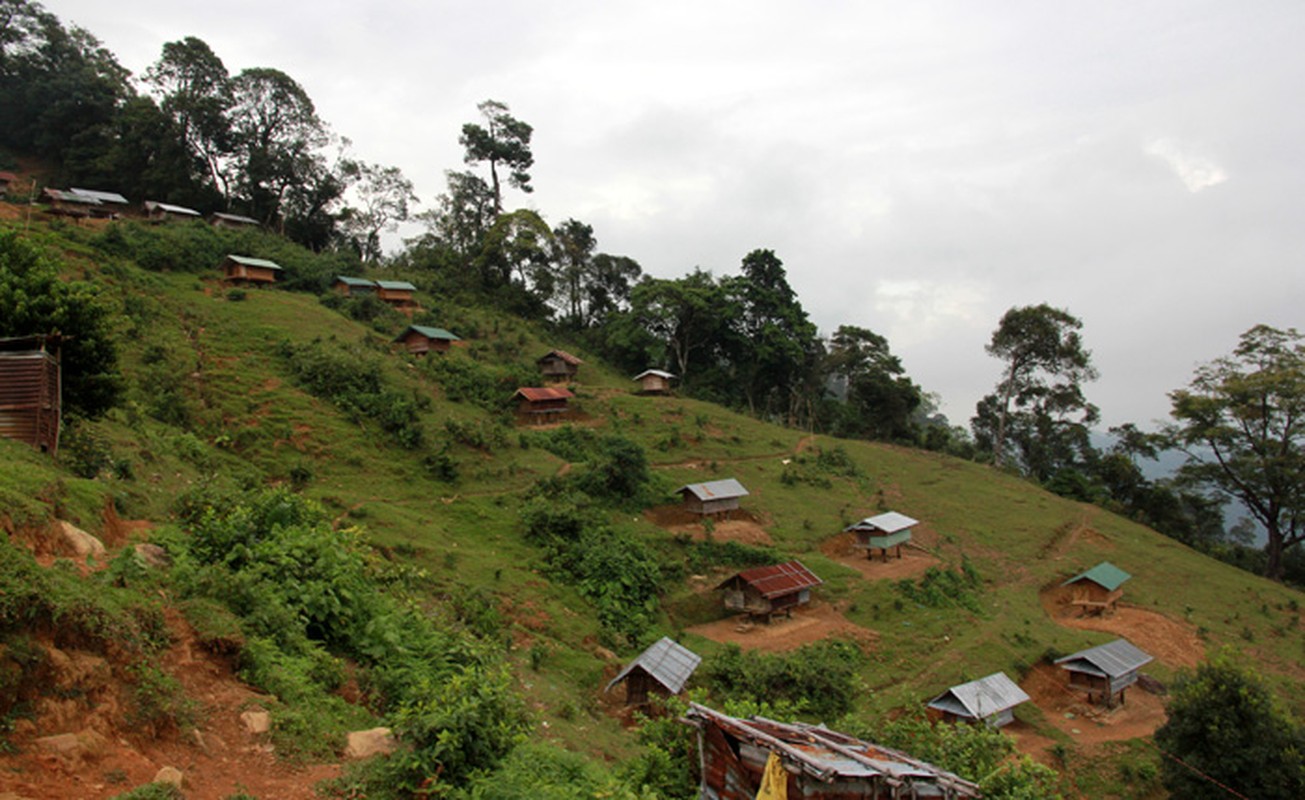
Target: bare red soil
x=809, y=624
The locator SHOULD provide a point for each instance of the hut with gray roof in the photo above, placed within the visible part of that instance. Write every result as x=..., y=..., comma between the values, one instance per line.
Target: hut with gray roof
x=989, y=700
x=713, y=497
x=1105, y=671
x=164, y=212
x=882, y=532
x=663, y=669
x=1097, y=590
x=220, y=220
x=654, y=381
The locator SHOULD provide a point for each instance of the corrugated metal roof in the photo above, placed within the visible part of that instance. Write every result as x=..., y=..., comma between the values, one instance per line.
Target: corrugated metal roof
x=890, y=522
x=981, y=698
x=397, y=286
x=562, y=354
x=429, y=333
x=8, y=176
x=234, y=218
x=669, y=663
x=1105, y=575
x=71, y=197
x=103, y=197
x=171, y=209
x=778, y=579
x=348, y=281
x=1111, y=659
x=830, y=757
x=255, y=262
x=715, y=490
x=659, y=373
x=536, y=393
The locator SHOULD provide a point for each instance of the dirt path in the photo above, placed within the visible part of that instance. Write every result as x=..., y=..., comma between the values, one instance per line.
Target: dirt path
x=810, y=624
x=914, y=560
x=1139, y=715
x=1172, y=642
x=741, y=526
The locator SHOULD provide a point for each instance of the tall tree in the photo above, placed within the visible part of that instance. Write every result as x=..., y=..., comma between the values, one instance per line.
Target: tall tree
x=608, y=289
x=574, y=244
x=502, y=141
x=384, y=197
x=196, y=92
x=1225, y=729
x=1045, y=367
x=686, y=314
x=880, y=400
x=1241, y=423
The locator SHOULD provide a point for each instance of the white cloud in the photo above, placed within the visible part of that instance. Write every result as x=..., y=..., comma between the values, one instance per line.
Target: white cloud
x=1194, y=171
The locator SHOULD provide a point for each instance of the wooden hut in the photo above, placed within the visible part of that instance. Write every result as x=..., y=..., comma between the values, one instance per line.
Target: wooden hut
x=988, y=700
x=809, y=761
x=654, y=381
x=882, y=532
x=713, y=497
x=7, y=180
x=347, y=286
x=399, y=294
x=243, y=269
x=766, y=591
x=31, y=391
x=67, y=204
x=541, y=403
x=234, y=221
x=558, y=366
x=1105, y=671
x=164, y=212
x=662, y=669
x=111, y=204
x=420, y=340
x=1097, y=590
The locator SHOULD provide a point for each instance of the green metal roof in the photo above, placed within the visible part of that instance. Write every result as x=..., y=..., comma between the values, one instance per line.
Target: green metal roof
x=255, y=262
x=348, y=281
x=1105, y=575
x=429, y=333
x=397, y=285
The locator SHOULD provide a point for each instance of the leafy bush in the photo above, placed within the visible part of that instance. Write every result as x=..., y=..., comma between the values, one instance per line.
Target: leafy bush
x=944, y=588
x=817, y=680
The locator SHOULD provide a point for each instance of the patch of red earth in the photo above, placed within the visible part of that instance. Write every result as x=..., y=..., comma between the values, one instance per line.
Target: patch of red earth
x=913, y=561
x=1031, y=743
x=809, y=624
x=1172, y=642
x=1068, y=710
x=741, y=526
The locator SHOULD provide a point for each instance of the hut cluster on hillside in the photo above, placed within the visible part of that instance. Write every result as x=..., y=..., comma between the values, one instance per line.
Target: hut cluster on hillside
x=77, y=203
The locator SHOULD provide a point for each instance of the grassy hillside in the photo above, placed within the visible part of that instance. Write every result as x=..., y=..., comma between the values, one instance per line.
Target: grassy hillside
x=230, y=390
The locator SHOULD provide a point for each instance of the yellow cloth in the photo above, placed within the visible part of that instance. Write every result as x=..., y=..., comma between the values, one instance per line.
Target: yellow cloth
x=774, y=780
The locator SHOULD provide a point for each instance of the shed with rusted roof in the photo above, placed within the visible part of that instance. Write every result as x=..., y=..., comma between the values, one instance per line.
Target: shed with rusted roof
x=663, y=669
x=7, y=180
x=164, y=212
x=881, y=532
x=765, y=591
x=243, y=269
x=219, y=219
x=399, y=294
x=989, y=700
x=349, y=286
x=31, y=393
x=654, y=381
x=420, y=340
x=558, y=366
x=1105, y=671
x=539, y=403
x=1097, y=590
x=808, y=761
x=68, y=204
x=713, y=497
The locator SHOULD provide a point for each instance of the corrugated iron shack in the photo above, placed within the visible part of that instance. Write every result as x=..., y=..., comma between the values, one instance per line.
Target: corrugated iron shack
x=420, y=340
x=110, y=204
x=819, y=764
x=766, y=591
x=882, y=532
x=31, y=394
x=76, y=206
x=713, y=497
x=221, y=220
x=558, y=366
x=654, y=381
x=662, y=669
x=989, y=700
x=243, y=269
x=7, y=179
x=1105, y=671
x=1097, y=590
x=164, y=212
x=539, y=404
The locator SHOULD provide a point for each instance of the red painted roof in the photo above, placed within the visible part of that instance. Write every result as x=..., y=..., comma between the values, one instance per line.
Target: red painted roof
x=534, y=393
x=779, y=579
x=8, y=176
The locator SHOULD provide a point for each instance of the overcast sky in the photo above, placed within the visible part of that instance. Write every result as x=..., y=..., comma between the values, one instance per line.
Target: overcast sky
x=919, y=167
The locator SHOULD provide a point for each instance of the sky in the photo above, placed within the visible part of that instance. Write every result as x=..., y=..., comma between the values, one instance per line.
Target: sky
x=920, y=168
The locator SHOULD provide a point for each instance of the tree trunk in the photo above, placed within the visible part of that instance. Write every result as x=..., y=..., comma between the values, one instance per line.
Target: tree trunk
x=999, y=442
x=1273, y=549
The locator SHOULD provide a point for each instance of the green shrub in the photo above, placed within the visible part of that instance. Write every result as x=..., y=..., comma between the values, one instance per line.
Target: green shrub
x=818, y=679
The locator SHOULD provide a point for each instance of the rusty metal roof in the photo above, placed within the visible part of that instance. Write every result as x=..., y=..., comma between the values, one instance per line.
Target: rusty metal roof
x=826, y=759
x=890, y=522
x=715, y=490
x=1109, y=660
x=8, y=176
x=1105, y=575
x=562, y=354
x=537, y=393
x=778, y=579
x=982, y=698
x=667, y=662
